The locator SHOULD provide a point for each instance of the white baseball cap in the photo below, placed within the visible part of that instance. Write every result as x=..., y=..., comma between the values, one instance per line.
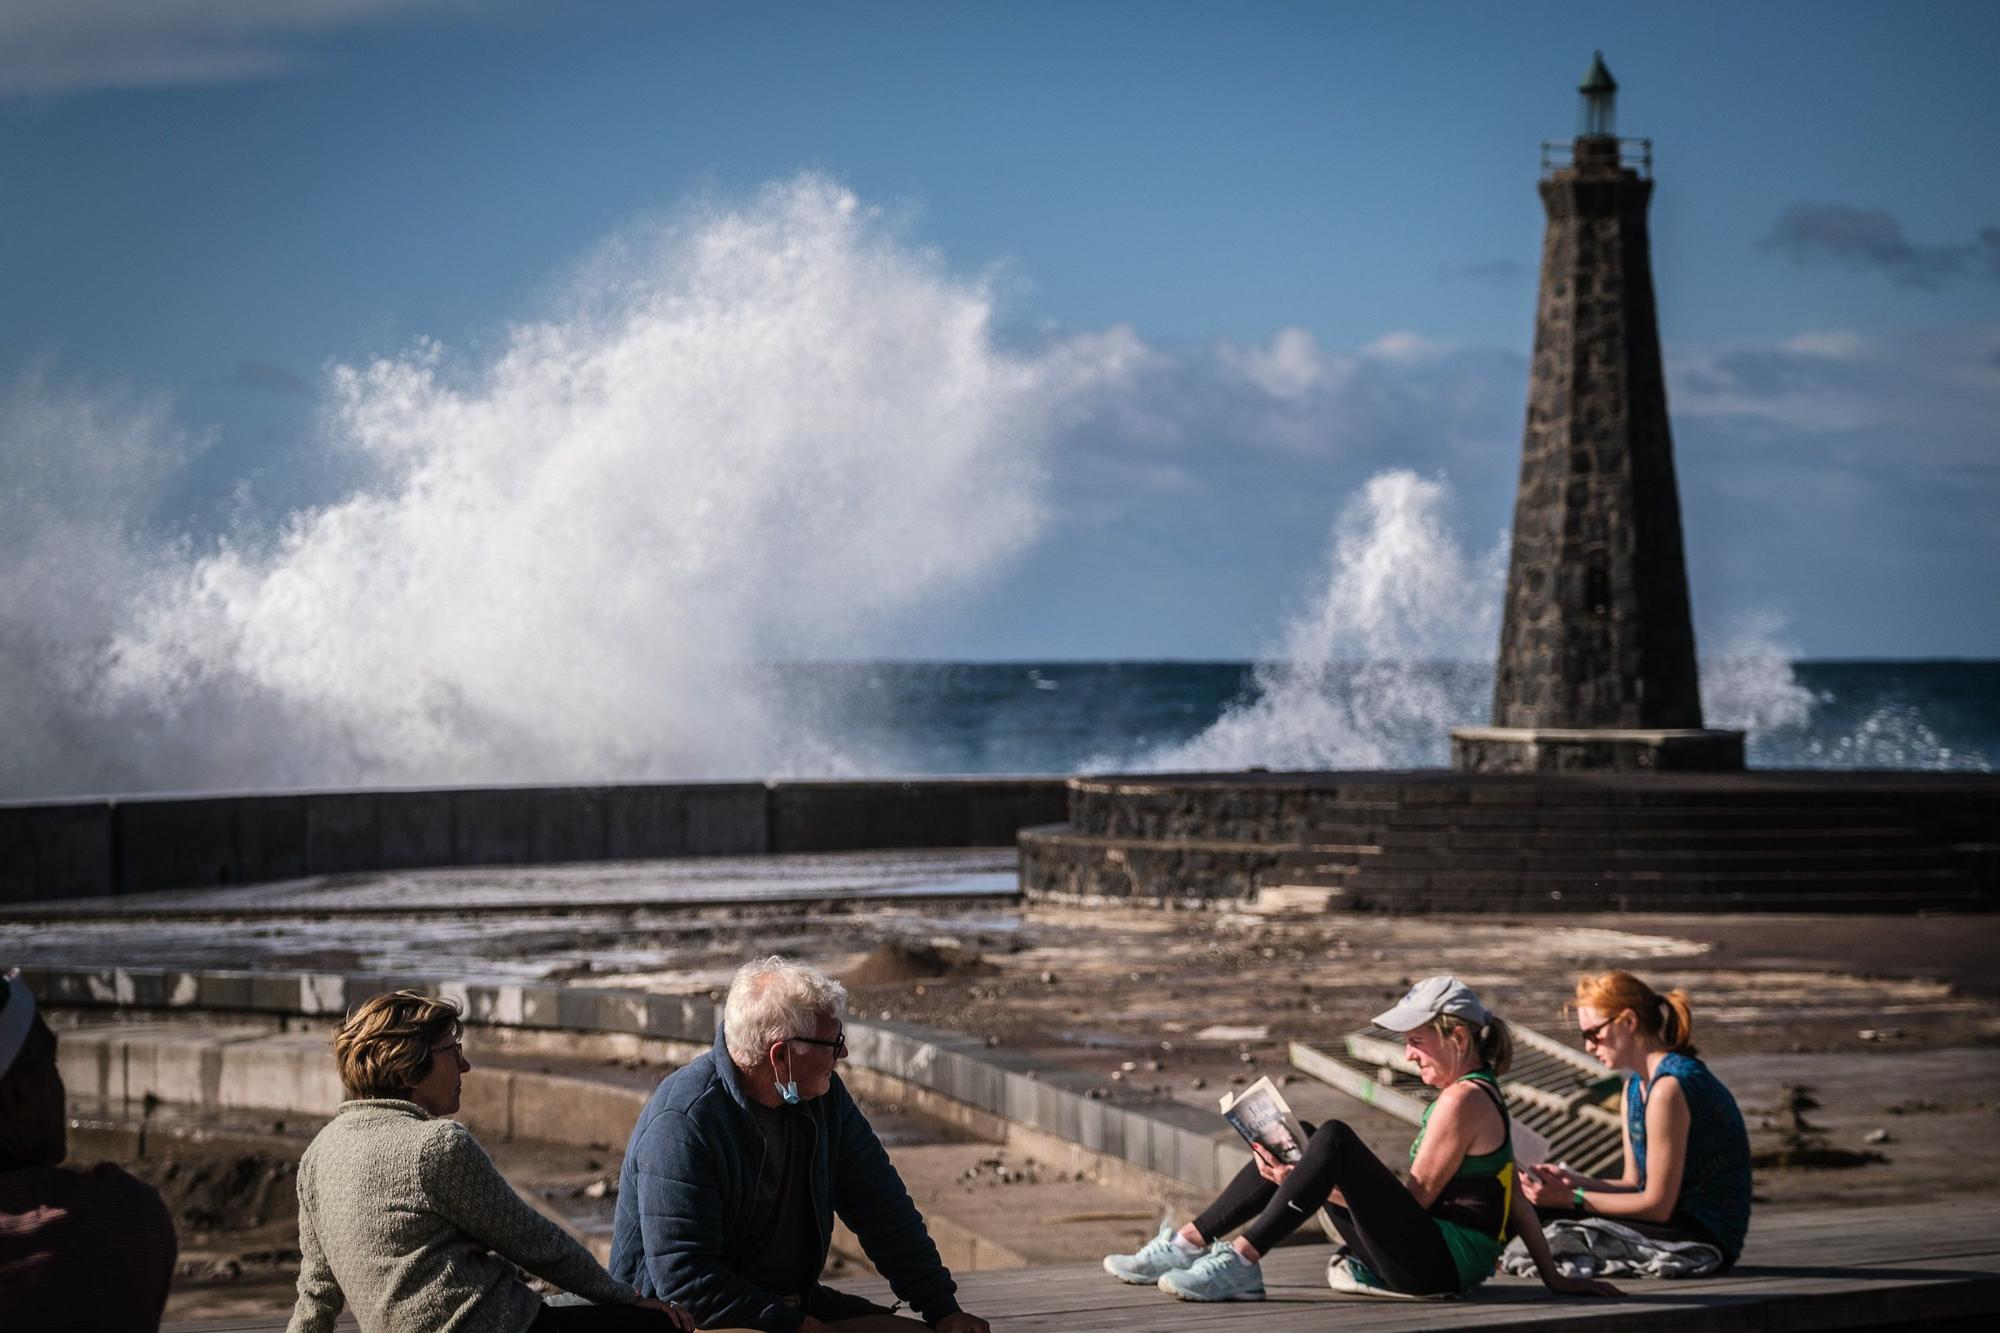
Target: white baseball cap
x=1429, y=998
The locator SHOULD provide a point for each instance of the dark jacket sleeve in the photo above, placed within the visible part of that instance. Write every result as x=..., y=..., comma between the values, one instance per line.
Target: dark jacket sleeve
x=681, y=1184
x=869, y=1196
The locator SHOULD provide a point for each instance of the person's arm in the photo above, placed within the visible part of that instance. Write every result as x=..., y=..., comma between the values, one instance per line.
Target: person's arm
x=1447, y=1139
x=681, y=1187
x=1528, y=1227
x=1552, y=1185
x=468, y=1191
x=319, y=1300
x=869, y=1196
x=1667, y=1123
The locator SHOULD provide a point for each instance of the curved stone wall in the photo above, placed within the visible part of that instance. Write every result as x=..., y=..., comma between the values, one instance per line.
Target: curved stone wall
x=1414, y=841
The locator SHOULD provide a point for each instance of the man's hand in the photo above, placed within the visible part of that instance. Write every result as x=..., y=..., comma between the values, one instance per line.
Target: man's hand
x=961, y=1322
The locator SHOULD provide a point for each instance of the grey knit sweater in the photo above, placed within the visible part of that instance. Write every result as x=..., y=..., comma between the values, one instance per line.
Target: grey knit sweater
x=407, y=1218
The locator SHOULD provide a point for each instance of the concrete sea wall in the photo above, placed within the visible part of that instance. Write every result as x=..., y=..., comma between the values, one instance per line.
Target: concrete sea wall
x=994, y=1091
x=124, y=845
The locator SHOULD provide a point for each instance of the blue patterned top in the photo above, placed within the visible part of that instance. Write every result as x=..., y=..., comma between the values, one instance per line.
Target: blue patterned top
x=1715, y=1184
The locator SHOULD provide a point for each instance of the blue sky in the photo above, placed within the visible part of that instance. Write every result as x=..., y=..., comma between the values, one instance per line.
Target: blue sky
x=1310, y=231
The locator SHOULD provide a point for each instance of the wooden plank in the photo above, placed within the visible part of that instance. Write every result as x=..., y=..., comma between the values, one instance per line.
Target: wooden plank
x=1845, y=1268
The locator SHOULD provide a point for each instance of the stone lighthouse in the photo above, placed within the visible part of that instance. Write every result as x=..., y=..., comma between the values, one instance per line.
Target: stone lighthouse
x=1597, y=659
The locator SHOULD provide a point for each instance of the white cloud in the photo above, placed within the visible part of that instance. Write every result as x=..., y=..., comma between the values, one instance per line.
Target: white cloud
x=1936, y=391
x=1404, y=345
x=1837, y=344
x=1287, y=368
x=67, y=45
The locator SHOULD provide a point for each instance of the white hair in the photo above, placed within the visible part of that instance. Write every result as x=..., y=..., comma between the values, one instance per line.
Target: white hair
x=771, y=1000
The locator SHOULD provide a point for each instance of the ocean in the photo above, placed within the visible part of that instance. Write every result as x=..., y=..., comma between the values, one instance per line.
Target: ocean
x=1062, y=717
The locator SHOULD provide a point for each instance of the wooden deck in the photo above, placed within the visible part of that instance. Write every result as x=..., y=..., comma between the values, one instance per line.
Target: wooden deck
x=1935, y=1265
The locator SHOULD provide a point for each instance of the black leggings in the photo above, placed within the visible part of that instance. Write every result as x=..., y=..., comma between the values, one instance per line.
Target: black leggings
x=1382, y=1224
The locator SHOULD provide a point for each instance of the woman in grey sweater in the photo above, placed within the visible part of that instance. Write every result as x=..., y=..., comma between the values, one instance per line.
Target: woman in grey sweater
x=404, y=1217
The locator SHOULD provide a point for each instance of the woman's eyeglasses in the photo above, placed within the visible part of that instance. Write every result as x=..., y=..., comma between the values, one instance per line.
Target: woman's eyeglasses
x=1592, y=1036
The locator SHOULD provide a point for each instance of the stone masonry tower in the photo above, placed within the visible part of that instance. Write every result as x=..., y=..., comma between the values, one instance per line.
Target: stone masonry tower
x=1597, y=661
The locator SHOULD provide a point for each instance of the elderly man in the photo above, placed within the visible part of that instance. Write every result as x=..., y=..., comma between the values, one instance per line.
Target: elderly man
x=740, y=1161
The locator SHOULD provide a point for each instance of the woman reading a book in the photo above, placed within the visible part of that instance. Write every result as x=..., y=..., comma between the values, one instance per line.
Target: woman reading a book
x=1436, y=1234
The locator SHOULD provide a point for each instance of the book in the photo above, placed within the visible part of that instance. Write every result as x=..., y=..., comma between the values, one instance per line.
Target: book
x=1260, y=1114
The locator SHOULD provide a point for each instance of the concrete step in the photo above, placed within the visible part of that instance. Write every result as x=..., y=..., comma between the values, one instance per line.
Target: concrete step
x=1819, y=866
x=1390, y=839
x=1820, y=815
x=1831, y=891
x=1744, y=880
x=1590, y=826
x=1798, y=858
x=1634, y=899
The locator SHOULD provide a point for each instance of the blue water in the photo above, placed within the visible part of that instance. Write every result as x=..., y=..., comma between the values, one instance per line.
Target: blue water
x=1070, y=716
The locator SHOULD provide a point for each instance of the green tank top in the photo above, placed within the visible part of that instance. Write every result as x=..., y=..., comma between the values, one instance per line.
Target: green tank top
x=1475, y=1205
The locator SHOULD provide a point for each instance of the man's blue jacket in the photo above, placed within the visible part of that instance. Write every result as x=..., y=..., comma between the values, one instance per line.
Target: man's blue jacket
x=689, y=1186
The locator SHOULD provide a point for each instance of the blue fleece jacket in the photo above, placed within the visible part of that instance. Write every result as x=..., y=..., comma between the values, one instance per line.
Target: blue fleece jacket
x=688, y=1189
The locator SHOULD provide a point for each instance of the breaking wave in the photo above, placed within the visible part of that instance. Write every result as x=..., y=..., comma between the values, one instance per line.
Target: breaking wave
x=1395, y=648
x=757, y=434
x=1368, y=674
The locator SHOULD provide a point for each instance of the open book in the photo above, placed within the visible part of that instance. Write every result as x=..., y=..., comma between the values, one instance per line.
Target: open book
x=1260, y=1115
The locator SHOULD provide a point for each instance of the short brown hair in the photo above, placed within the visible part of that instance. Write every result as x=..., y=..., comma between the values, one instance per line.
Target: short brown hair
x=384, y=1047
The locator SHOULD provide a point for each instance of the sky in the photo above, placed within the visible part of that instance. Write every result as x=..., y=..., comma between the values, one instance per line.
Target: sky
x=968, y=331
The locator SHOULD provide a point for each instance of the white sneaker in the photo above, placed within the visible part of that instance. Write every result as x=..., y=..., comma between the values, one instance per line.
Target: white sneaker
x=1155, y=1259
x=1219, y=1275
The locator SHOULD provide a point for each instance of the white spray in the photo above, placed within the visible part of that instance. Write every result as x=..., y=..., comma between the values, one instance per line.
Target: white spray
x=761, y=434
x=1396, y=648
x=1366, y=676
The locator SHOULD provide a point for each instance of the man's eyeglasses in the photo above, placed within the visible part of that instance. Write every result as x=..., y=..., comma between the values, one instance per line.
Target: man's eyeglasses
x=838, y=1045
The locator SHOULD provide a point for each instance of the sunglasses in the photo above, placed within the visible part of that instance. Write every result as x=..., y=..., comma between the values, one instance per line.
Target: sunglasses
x=1592, y=1036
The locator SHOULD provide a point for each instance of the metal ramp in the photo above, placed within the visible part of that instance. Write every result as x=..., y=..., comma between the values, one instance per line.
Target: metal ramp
x=1561, y=1094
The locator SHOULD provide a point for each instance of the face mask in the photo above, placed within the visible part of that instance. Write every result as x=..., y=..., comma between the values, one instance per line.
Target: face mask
x=788, y=1091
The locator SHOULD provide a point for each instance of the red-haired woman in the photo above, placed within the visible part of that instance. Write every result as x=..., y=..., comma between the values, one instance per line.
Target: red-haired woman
x=1687, y=1154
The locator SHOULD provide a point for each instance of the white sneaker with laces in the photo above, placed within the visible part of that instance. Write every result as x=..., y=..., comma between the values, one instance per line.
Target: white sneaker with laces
x=1155, y=1259
x=1219, y=1275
